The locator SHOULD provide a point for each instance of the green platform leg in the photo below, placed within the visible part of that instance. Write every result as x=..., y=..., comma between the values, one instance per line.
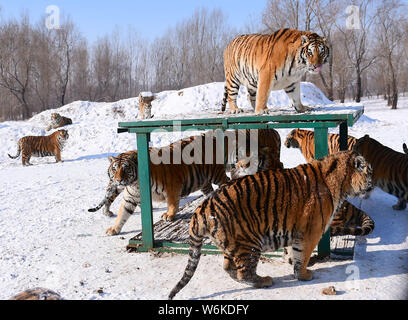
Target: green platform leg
x=343, y=136
x=145, y=189
x=321, y=150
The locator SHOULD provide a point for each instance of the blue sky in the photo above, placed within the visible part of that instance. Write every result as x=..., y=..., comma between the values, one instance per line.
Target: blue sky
x=150, y=18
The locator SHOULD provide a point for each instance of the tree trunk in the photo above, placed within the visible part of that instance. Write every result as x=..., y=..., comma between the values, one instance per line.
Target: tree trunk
x=358, y=93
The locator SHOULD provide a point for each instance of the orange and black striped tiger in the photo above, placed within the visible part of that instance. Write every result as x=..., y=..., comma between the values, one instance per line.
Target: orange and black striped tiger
x=41, y=146
x=266, y=62
x=171, y=181
x=274, y=209
x=304, y=140
x=349, y=219
x=390, y=168
x=58, y=121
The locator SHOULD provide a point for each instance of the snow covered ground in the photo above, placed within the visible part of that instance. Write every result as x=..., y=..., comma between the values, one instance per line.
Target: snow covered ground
x=49, y=239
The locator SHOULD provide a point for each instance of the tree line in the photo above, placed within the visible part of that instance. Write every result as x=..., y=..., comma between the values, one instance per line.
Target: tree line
x=44, y=68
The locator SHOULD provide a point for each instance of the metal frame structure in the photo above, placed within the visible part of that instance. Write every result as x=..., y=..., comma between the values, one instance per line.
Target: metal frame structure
x=320, y=122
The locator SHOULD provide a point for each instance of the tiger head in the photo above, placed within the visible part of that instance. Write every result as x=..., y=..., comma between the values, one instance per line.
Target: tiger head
x=265, y=160
x=62, y=137
x=123, y=171
x=55, y=117
x=361, y=176
x=314, y=52
x=292, y=139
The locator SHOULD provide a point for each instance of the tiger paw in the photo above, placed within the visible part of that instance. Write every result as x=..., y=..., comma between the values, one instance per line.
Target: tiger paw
x=236, y=111
x=111, y=231
x=262, y=111
x=305, y=275
x=398, y=207
x=167, y=217
x=264, y=282
x=302, y=109
x=108, y=213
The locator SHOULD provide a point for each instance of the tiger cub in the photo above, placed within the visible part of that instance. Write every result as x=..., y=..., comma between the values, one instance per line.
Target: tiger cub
x=390, y=168
x=304, y=140
x=58, y=121
x=274, y=209
x=41, y=146
x=264, y=138
x=349, y=220
x=265, y=62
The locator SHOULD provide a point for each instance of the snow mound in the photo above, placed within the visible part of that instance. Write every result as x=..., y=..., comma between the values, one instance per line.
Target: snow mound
x=93, y=131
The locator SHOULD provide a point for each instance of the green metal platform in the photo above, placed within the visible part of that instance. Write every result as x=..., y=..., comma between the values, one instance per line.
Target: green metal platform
x=320, y=119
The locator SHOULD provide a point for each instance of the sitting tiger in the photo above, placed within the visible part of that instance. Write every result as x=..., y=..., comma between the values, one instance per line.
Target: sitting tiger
x=41, y=146
x=305, y=141
x=58, y=121
x=349, y=219
x=172, y=181
x=274, y=209
x=390, y=168
x=265, y=62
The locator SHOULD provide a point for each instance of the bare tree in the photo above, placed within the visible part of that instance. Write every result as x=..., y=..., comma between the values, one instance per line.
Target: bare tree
x=357, y=43
x=391, y=18
x=326, y=13
x=296, y=14
x=16, y=61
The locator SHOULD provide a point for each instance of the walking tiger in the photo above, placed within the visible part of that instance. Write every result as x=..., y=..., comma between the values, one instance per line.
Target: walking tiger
x=275, y=209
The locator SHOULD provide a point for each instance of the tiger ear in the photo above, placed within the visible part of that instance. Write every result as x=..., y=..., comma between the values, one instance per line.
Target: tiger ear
x=305, y=39
x=405, y=148
x=111, y=159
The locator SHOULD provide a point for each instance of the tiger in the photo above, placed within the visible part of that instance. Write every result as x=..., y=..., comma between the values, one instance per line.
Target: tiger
x=37, y=294
x=145, y=104
x=58, y=121
x=304, y=140
x=266, y=160
x=41, y=146
x=274, y=209
x=265, y=62
x=349, y=219
x=390, y=168
x=266, y=138
x=170, y=182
